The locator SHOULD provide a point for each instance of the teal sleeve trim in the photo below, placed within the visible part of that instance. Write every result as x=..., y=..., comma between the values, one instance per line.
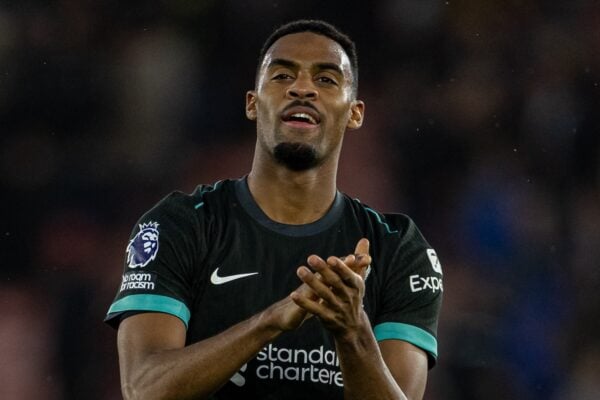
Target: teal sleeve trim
x=152, y=302
x=387, y=227
x=408, y=333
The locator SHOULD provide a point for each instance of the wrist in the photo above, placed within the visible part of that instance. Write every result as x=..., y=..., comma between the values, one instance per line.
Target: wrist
x=268, y=322
x=282, y=316
x=266, y=326
x=358, y=336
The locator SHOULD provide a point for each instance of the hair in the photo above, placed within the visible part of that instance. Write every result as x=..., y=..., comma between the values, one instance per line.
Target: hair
x=320, y=28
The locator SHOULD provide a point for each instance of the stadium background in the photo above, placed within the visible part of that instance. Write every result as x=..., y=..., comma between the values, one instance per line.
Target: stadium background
x=482, y=124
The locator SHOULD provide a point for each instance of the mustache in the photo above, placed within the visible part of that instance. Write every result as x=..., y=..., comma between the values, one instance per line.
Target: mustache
x=299, y=103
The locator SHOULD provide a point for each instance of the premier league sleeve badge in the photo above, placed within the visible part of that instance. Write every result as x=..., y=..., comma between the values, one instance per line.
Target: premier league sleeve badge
x=143, y=248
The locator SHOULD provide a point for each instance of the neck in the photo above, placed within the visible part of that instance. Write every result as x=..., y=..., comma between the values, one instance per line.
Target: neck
x=292, y=197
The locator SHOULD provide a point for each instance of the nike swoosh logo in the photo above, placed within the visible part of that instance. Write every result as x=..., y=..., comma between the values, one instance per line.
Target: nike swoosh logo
x=215, y=279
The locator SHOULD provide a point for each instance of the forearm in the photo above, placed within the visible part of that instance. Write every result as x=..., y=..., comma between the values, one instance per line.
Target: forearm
x=198, y=370
x=339, y=307
x=365, y=373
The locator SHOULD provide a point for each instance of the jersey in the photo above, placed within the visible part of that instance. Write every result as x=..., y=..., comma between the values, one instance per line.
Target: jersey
x=214, y=258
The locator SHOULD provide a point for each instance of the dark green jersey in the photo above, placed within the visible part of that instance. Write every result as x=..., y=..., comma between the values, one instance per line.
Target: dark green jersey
x=213, y=259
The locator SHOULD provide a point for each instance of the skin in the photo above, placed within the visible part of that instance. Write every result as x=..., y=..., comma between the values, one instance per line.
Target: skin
x=154, y=361
x=290, y=196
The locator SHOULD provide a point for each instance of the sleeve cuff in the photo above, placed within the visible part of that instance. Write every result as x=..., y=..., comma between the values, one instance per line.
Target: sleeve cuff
x=408, y=333
x=151, y=302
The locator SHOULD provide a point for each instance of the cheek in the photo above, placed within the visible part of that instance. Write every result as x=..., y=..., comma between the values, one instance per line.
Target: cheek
x=341, y=115
x=265, y=111
x=266, y=123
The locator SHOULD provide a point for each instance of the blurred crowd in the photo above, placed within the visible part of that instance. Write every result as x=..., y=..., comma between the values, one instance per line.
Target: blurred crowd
x=482, y=123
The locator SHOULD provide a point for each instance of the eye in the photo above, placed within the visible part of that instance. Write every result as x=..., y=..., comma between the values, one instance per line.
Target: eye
x=281, y=76
x=326, y=80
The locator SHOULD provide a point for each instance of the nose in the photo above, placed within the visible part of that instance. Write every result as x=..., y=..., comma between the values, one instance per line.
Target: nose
x=302, y=89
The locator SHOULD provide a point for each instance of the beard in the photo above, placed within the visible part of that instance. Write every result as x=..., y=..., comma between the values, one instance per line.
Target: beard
x=296, y=156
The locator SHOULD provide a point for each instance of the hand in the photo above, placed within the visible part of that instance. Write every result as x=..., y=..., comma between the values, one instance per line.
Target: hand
x=337, y=289
x=362, y=259
x=286, y=315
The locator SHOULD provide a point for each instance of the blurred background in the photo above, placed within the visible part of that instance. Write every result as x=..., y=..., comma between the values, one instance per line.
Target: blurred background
x=482, y=123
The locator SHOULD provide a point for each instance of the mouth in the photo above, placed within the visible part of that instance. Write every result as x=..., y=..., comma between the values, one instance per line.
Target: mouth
x=301, y=117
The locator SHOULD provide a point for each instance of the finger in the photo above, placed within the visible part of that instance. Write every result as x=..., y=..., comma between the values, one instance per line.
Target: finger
x=356, y=263
x=319, y=286
x=309, y=305
x=306, y=290
x=315, y=262
x=349, y=260
x=345, y=273
x=302, y=301
x=323, y=270
x=328, y=275
x=362, y=261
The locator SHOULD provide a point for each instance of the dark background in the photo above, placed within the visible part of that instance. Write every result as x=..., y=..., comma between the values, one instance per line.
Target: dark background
x=482, y=123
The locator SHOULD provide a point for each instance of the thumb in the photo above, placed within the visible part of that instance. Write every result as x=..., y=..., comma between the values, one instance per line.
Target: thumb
x=362, y=247
x=363, y=257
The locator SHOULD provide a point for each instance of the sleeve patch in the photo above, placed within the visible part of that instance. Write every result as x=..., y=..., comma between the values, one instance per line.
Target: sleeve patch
x=143, y=248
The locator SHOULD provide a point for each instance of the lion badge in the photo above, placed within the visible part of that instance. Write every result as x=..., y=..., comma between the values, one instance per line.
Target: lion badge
x=143, y=248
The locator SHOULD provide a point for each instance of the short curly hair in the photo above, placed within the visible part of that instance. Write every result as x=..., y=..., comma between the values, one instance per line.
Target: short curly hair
x=320, y=28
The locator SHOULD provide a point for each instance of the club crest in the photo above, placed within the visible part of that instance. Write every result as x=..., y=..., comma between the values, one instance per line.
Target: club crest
x=143, y=248
x=434, y=260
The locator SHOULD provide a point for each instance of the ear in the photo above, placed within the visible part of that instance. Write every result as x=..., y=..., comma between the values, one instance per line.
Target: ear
x=357, y=114
x=251, y=105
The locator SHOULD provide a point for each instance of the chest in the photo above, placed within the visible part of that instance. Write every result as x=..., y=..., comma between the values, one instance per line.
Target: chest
x=248, y=268
x=247, y=271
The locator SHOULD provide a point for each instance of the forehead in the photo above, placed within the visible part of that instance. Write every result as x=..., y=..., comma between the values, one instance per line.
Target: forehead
x=308, y=48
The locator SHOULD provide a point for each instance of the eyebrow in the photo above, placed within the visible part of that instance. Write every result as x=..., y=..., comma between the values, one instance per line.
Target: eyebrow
x=319, y=66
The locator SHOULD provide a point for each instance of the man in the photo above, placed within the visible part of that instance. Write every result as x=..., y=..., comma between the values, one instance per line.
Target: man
x=235, y=291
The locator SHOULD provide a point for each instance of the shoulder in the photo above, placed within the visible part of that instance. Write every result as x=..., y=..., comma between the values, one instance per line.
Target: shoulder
x=180, y=224
x=180, y=215
x=178, y=204
x=393, y=225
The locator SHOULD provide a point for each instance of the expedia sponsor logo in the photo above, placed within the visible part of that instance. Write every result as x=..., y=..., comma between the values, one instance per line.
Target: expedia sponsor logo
x=418, y=283
x=300, y=365
x=138, y=281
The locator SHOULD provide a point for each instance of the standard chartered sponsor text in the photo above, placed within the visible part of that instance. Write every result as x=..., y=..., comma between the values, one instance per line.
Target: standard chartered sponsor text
x=140, y=280
x=316, y=365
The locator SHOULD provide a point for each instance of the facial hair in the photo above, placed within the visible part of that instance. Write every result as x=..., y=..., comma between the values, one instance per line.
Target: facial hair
x=296, y=156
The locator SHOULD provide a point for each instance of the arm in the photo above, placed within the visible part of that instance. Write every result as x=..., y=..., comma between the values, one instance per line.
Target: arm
x=408, y=365
x=393, y=370
x=154, y=363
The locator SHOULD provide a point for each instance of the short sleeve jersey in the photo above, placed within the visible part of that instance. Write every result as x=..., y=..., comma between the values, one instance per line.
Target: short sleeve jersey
x=214, y=259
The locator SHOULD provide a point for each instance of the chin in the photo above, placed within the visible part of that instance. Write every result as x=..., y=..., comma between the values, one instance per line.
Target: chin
x=296, y=156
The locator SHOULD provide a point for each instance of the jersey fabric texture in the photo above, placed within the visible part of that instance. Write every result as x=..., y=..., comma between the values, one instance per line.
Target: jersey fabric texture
x=213, y=259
